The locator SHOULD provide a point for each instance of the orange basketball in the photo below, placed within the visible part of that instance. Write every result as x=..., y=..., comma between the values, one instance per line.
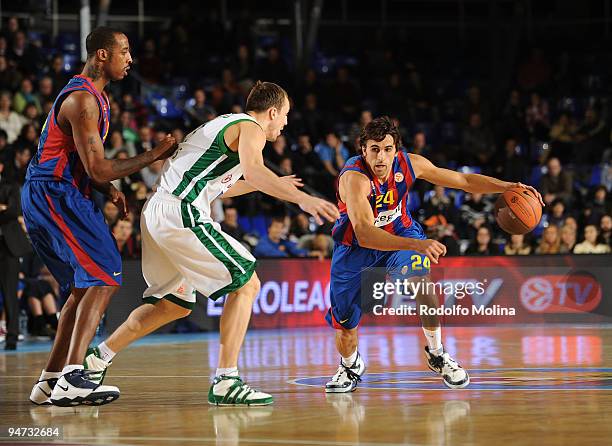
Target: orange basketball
x=518, y=211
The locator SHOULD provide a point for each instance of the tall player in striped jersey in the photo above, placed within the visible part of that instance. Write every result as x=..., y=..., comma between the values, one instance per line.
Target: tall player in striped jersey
x=183, y=250
x=66, y=228
x=375, y=229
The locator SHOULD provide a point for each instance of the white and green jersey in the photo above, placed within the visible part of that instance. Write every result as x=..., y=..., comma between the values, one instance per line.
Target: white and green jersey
x=203, y=167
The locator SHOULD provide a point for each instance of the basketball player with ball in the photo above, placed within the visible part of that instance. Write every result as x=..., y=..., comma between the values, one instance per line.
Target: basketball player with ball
x=375, y=229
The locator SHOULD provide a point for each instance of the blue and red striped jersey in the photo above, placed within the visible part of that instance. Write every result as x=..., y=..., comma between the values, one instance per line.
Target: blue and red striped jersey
x=56, y=158
x=389, y=201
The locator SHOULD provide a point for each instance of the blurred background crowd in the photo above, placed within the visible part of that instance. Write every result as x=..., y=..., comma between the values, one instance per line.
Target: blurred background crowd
x=535, y=113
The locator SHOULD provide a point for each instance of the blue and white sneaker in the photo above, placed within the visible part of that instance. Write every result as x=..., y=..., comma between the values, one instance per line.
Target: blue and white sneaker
x=77, y=387
x=346, y=378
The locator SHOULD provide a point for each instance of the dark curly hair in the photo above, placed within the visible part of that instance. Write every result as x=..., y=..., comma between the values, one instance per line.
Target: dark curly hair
x=377, y=129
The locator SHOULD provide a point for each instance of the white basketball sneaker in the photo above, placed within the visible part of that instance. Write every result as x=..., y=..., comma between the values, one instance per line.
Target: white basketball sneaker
x=346, y=378
x=453, y=375
x=76, y=388
x=41, y=392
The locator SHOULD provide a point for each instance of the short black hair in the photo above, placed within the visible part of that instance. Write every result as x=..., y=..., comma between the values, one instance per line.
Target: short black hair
x=377, y=129
x=265, y=95
x=103, y=37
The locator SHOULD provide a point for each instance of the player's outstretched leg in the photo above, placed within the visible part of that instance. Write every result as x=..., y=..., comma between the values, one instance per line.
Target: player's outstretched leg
x=351, y=367
x=142, y=321
x=453, y=375
x=227, y=388
x=75, y=386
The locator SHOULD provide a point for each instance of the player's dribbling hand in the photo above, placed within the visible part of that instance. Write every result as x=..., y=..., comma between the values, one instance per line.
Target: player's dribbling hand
x=166, y=147
x=293, y=180
x=318, y=208
x=532, y=189
x=433, y=249
x=118, y=199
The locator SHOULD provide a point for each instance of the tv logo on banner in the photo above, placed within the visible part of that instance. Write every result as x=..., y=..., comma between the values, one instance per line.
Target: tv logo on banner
x=560, y=293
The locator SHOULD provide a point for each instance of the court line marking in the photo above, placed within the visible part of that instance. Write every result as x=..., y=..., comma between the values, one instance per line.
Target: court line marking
x=240, y=440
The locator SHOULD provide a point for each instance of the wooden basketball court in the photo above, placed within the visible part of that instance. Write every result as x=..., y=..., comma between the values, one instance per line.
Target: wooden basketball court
x=530, y=385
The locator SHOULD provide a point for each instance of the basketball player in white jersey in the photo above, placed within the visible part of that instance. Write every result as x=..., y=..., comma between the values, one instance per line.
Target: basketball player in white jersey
x=183, y=250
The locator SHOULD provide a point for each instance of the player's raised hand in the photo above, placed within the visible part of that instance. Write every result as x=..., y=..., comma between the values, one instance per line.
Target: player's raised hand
x=292, y=179
x=432, y=249
x=319, y=209
x=166, y=147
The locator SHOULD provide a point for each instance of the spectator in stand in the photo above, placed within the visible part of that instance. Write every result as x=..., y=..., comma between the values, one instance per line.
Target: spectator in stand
x=537, y=117
x=517, y=246
x=312, y=118
x=556, y=213
x=10, y=121
x=285, y=166
x=307, y=163
x=45, y=90
x=150, y=174
x=591, y=245
x=475, y=104
x=149, y=63
x=273, y=245
x=200, y=112
x=556, y=183
x=568, y=239
x=273, y=68
x=145, y=139
x=333, y=153
x=440, y=204
x=572, y=223
x=9, y=76
x=512, y=122
x=598, y=206
x=591, y=138
x=550, y=242
x=32, y=116
x=277, y=150
x=123, y=233
x=605, y=227
x=241, y=64
x=475, y=212
x=344, y=96
x=563, y=136
x=510, y=166
x=230, y=225
x=477, y=142
x=57, y=74
x=17, y=170
x=481, y=245
x=25, y=55
x=364, y=119
x=438, y=228
x=25, y=96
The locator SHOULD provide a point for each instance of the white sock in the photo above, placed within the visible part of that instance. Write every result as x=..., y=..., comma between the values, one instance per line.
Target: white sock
x=434, y=340
x=106, y=353
x=230, y=371
x=350, y=360
x=48, y=375
x=70, y=367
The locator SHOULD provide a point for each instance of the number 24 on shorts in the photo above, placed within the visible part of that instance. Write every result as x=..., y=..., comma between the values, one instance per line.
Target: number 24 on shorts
x=419, y=262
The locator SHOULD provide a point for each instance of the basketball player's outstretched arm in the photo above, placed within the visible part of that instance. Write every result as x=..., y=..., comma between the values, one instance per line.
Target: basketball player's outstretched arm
x=250, y=145
x=81, y=111
x=469, y=182
x=241, y=187
x=354, y=190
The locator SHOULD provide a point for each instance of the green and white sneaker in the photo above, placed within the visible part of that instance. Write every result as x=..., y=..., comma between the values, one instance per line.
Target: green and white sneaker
x=94, y=363
x=232, y=391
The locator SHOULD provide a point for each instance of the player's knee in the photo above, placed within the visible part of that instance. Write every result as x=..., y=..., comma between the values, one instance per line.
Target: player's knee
x=252, y=287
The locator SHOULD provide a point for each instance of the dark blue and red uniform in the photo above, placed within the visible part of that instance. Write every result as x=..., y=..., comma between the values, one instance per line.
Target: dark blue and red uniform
x=389, y=203
x=67, y=229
